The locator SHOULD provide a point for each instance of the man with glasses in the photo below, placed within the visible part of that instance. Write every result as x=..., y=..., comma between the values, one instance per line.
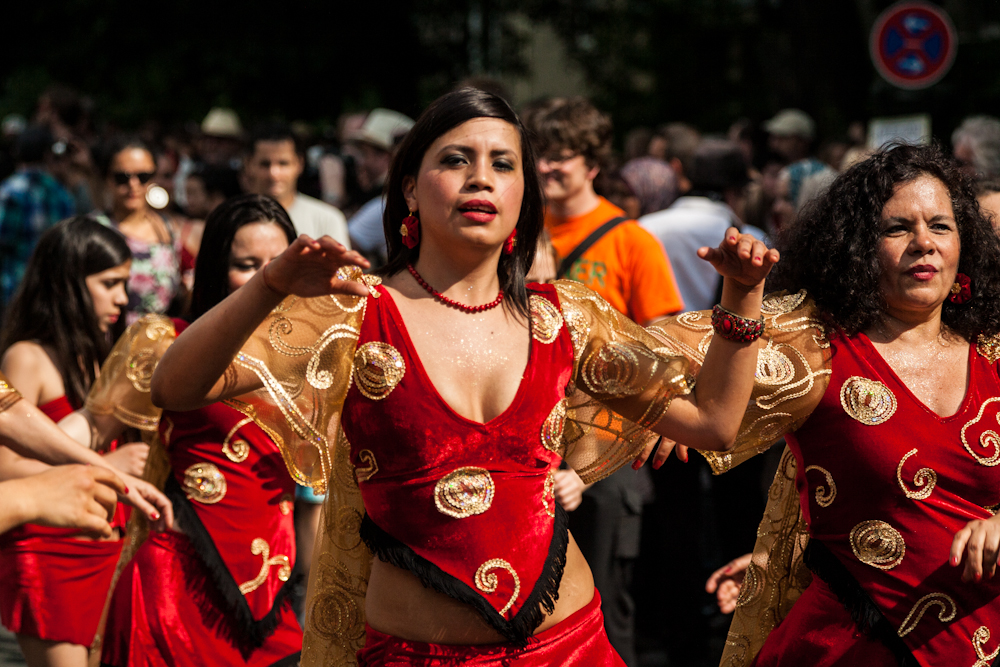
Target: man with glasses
x=31, y=201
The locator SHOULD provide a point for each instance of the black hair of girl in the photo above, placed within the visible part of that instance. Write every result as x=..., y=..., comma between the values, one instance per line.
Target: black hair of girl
x=52, y=305
x=116, y=145
x=211, y=269
x=831, y=250
x=446, y=113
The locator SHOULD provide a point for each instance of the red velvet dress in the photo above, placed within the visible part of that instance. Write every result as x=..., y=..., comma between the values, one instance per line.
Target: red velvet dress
x=54, y=585
x=467, y=507
x=884, y=485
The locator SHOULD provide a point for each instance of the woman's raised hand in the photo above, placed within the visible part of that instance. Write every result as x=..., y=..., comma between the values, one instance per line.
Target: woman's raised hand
x=741, y=258
x=309, y=267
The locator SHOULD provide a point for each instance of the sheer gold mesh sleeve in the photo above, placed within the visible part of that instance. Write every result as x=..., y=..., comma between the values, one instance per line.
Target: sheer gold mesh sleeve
x=623, y=382
x=122, y=388
x=8, y=395
x=302, y=357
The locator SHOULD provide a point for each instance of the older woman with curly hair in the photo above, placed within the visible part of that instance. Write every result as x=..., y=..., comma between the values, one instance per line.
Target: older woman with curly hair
x=880, y=541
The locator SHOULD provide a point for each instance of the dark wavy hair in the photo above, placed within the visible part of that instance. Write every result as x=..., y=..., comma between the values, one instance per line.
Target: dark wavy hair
x=52, y=305
x=445, y=113
x=211, y=269
x=831, y=249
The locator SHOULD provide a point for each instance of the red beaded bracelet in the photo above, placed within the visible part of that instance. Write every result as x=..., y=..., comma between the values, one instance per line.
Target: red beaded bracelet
x=733, y=327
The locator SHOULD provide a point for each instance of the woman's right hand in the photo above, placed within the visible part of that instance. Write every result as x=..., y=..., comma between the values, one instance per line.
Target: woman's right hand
x=727, y=581
x=309, y=267
x=69, y=496
x=129, y=458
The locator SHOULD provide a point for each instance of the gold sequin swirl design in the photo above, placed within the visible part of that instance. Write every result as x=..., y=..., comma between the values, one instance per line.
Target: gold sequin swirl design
x=948, y=610
x=260, y=547
x=204, y=483
x=878, y=544
x=553, y=428
x=774, y=369
x=614, y=369
x=578, y=326
x=753, y=585
x=237, y=450
x=825, y=495
x=139, y=369
x=979, y=639
x=546, y=320
x=868, y=401
x=989, y=348
x=781, y=304
x=988, y=440
x=367, y=457
x=488, y=583
x=925, y=479
x=8, y=396
x=464, y=492
x=549, y=494
x=378, y=368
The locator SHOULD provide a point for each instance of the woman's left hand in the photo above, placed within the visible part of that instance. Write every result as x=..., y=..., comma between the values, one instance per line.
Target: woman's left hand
x=150, y=501
x=741, y=258
x=978, y=544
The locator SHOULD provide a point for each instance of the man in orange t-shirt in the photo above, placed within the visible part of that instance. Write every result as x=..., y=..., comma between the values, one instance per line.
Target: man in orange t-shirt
x=628, y=267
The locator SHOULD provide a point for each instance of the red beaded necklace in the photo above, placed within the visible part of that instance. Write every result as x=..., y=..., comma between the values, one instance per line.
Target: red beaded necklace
x=451, y=302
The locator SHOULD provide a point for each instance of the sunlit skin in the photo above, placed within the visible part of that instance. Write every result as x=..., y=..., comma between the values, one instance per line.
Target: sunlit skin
x=130, y=199
x=273, y=169
x=254, y=246
x=108, y=295
x=568, y=183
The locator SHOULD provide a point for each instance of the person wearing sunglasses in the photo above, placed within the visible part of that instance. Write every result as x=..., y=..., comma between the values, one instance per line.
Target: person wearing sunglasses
x=156, y=279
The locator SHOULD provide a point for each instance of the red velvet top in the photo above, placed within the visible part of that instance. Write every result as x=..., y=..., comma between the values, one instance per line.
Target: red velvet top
x=468, y=507
x=885, y=484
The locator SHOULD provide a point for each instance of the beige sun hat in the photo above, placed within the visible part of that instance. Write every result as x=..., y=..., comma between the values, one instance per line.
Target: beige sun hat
x=222, y=122
x=791, y=123
x=382, y=128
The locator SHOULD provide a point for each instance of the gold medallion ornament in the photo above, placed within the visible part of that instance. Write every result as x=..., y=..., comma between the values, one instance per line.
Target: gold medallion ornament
x=878, y=544
x=378, y=368
x=204, y=483
x=825, y=495
x=868, y=401
x=925, y=479
x=139, y=369
x=260, y=547
x=989, y=440
x=546, y=320
x=979, y=639
x=488, y=583
x=614, y=369
x=947, y=611
x=464, y=492
x=553, y=428
x=989, y=348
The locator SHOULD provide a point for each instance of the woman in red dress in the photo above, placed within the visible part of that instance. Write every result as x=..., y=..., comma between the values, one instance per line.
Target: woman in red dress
x=880, y=543
x=214, y=590
x=56, y=337
x=436, y=419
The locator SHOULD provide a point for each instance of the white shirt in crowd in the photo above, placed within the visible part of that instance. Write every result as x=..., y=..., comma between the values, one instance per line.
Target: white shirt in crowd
x=315, y=218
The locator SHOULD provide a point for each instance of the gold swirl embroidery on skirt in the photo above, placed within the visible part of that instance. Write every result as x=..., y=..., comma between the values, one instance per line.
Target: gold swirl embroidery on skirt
x=237, y=450
x=989, y=438
x=878, y=544
x=367, y=457
x=553, y=428
x=925, y=479
x=947, y=612
x=546, y=320
x=868, y=401
x=343, y=526
x=753, y=585
x=204, y=483
x=825, y=495
x=549, y=494
x=979, y=639
x=286, y=504
x=989, y=348
x=488, y=583
x=139, y=369
x=260, y=547
x=464, y=492
x=378, y=368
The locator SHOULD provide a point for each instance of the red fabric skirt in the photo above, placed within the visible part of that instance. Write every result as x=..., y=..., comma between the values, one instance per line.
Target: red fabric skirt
x=52, y=586
x=578, y=640
x=819, y=632
x=165, y=613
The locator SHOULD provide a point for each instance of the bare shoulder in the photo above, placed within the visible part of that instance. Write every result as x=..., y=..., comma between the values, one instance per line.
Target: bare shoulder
x=29, y=368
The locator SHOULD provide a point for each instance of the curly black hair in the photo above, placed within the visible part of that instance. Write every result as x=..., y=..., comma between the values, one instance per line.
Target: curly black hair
x=831, y=249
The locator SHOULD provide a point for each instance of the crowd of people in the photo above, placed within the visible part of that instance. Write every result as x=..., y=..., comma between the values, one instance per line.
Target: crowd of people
x=384, y=395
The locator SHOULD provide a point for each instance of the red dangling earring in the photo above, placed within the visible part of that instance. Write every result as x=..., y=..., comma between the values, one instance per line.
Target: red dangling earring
x=508, y=246
x=961, y=291
x=410, y=229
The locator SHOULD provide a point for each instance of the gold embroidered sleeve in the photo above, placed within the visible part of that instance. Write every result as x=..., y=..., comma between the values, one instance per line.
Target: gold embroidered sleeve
x=8, y=395
x=122, y=388
x=623, y=382
x=793, y=369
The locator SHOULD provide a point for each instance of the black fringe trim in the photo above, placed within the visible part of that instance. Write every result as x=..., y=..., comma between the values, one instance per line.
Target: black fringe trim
x=236, y=621
x=864, y=612
x=540, y=603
